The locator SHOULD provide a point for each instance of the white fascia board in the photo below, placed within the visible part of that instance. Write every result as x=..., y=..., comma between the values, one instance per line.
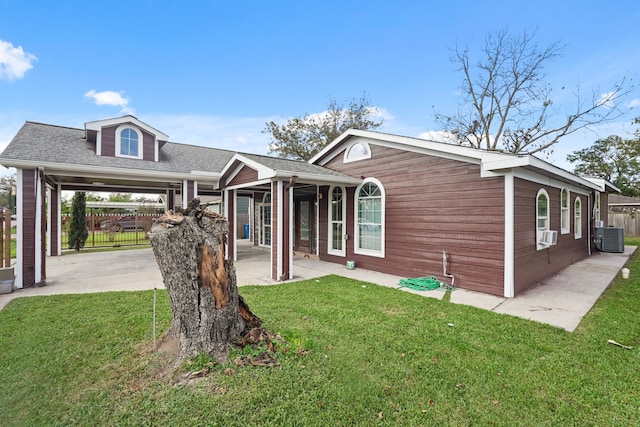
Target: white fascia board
x=206, y=174
x=498, y=164
x=89, y=171
x=99, y=124
x=406, y=143
x=603, y=184
x=262, y=170
x=333, y=144
x=245, y=185
x=311, y=177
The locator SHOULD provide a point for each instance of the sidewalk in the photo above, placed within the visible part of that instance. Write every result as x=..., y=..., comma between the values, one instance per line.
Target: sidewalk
x=561, y=301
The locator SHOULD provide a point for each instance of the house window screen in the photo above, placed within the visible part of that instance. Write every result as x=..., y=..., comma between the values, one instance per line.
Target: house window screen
x=336, y=221
x=370, y=218
x=129, y=143
x=564, y=211
x=577, y=220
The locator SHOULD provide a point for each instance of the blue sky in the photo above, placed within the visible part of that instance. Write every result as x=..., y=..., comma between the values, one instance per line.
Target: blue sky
x=213, y=73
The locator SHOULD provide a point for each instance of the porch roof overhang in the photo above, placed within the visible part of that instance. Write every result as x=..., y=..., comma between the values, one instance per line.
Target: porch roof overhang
x=269, y=168
x=111, y=179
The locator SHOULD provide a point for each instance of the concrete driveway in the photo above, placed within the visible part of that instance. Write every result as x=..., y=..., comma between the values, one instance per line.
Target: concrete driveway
x=561, y=300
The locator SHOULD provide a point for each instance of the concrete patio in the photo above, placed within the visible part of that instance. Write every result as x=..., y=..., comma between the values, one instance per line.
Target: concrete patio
x=560, y=301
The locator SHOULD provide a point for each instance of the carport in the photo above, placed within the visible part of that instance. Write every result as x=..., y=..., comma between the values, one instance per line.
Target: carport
x=52, y=159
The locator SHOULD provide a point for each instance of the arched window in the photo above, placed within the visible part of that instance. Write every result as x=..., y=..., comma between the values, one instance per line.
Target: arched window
x=128, y=142
x=577, y=218
x=336, y=222
x=542, y=216
x=564, y=211
x=358, y=151
x=369, y=216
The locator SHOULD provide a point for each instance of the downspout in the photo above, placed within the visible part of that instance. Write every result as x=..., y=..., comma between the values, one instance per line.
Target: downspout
x=444, y=268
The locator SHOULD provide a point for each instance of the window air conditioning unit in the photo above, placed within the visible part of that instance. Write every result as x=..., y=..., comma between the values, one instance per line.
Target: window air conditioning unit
x=599, y=223
x=548, y=238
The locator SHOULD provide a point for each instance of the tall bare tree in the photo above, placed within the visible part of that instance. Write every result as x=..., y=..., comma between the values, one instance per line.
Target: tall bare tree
x=507, y=103
x=301, y=138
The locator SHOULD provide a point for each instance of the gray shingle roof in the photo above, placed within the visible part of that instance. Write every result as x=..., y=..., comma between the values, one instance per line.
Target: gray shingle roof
x=37, y=142
x=292, y=166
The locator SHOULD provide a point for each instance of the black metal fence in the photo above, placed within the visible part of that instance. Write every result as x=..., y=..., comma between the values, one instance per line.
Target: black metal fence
x=112, y=230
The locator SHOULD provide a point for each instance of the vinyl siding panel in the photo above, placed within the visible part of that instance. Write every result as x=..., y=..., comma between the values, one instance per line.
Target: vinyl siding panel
x=244, y=176
x=432, y=204
x=532, y=265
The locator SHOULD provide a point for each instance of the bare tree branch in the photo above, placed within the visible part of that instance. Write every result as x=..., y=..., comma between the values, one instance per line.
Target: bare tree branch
x=507, y=104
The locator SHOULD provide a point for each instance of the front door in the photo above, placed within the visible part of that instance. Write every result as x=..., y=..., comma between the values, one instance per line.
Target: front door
x=305, y=220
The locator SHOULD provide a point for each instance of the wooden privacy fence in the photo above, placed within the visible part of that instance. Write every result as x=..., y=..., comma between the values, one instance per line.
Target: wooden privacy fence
x=629, y=221
x=5, y=238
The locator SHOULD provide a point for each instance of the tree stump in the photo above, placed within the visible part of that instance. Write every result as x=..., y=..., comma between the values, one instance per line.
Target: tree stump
x=208, y=312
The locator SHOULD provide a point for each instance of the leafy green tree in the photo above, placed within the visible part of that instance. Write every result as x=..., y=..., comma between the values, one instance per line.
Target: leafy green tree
x=614, y=159
x=120, y=197
x=7, y=191
x=78, y=233
x=301, y=138
x=507, y=103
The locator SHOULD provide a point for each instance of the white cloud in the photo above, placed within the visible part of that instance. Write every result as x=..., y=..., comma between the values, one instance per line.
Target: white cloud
x=437, y=135
x=633, y=103
x=109, y=97
x=14, y=61
x=606, y=99
x=242, y=134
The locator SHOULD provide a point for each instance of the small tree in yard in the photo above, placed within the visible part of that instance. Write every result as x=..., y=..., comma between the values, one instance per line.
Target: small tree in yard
x=78, y=233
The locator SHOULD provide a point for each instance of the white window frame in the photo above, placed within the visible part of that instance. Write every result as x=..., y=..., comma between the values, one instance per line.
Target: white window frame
x=542, y=193
x=565, y=213
x=351, y=156
x=596, y=207
x=266, y=205
x=332, y=221
x=577, y=218
x=119, y=130
x=356, y=223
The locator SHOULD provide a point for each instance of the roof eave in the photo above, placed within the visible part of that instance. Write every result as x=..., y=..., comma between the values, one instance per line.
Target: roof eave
x=306, y=176
x=105, y=170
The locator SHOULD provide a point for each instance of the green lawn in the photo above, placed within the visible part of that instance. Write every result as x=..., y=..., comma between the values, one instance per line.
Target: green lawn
x=379, y=356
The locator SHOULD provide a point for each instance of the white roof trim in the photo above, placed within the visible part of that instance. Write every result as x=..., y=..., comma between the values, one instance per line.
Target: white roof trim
x=261, y=169
x=97, y=125
x=102, y=171
x=491, y=161
x=603, y=184
x=265, y=172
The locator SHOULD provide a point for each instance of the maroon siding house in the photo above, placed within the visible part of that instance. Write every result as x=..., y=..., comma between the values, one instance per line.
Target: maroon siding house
x=493, y=222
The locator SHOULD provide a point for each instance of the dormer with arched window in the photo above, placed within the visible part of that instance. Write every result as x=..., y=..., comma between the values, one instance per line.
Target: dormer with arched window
x=125, y=137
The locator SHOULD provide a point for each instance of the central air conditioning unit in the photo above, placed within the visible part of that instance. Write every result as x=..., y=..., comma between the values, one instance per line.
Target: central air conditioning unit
x=610, y=239
x=548, y=238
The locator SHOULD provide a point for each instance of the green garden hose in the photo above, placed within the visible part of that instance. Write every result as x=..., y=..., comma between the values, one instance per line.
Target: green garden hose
x=423, y=283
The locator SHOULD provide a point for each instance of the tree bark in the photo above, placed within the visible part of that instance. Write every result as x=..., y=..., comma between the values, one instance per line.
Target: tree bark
x=208, y=312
